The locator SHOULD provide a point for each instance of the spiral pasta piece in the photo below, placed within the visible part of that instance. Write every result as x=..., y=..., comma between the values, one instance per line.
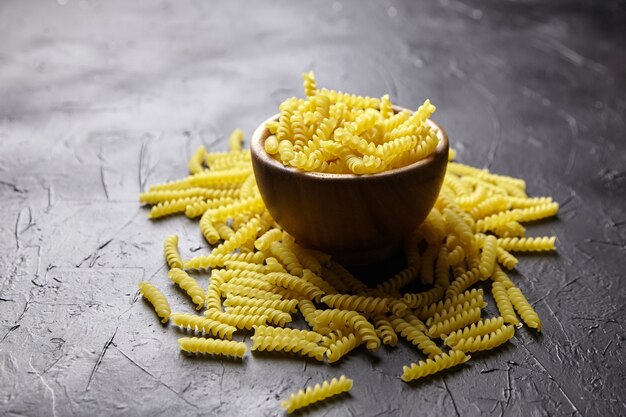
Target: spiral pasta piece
x=442, y=269
x=317, y=393
x=384, y=330
x=306, y=258
x=288, y=306
x=264, y=241
x=455, y=322
x=440, y=306
x=527, y=244
x=213, y=346
x=287, y=332
x=505, y=259
x=511, y=229
x=199, y=323
x=463, y=282
x=427, y=272
x=170, y=250
x=157, y=299
x=475, y=330
x=401, y=279
x=155, y=197
x=310, y=87
x=354, y=320
x=245, y=233
x=240, y=321
x=200, y=207
x=195, y=163
x=500, y=276
x=288, y=343
x=455, y=309
x=488, y=257
x=503, y=302
x=434, y=365
x=245, y=291
x=218, y=260
x=287, y=258
x=245, y=266
x=457, y=225
x=523, y=307
x=491, y=205
x=213, y=295
x=340, y=347
x=235, y=140
x=190, y=285
x=250, y=205
x=420, y=299
x=367, y=305
x=171, y=207
x=209, y=231
x=278, y=317
x=294, y=283
x=414, y=335
x=485, y=342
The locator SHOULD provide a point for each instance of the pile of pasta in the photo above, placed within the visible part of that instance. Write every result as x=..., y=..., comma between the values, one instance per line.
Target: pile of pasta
x=261, y=281
x=334, y=132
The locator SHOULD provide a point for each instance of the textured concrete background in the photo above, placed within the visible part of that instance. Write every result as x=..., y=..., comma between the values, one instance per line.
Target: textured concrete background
x=98, y=99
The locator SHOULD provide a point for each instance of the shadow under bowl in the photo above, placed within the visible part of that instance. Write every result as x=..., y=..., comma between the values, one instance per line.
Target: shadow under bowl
x=358, y=219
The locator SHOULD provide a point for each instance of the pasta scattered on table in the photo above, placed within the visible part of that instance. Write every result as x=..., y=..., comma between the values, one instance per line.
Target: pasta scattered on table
x=260, y=278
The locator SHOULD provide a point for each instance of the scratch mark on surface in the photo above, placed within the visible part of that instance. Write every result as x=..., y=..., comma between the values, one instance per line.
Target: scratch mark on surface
x=154, y=377
x=607, y=347
x=19, y=231
x=543, y=368
x=11, y=329
x=15, y=187
x=570, y=160
x=43, y=381
x=445, y=385
x=104, y=349
x=104, y=183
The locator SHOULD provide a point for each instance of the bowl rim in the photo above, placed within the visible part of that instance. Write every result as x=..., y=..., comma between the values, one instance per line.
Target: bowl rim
x=261, y=133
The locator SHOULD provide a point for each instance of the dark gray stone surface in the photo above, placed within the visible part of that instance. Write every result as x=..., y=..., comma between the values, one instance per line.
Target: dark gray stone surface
x=100, y=98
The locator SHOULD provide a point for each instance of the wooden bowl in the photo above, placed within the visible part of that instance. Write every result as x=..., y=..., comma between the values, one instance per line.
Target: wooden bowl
x=358, y=219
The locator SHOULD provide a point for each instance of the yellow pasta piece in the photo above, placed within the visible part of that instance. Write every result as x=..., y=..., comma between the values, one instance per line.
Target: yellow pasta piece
x=287, y=332
x=167, y=208
x=245, y=291
x=278, y=317
x=287, y=258
x=200, y=323
x=240, y=321
x=209, y=231
x=475, y=330
x=340, y=347
x=500, y=276
x=442, y=269
x=235, y=140
x=367, y=305
x=488, y=257
x=455, y=309
x=523, y=307
x=170, y=250
x=353, y=284
x=427, y=272
x=217, y=260
x=526, y=244
x=401, y=279
x=154, y=197
x=414, y=335
x=288, y=306
x=439, y=307
x=317, y=393
x=511, y=229
x=506, y=259
x=491, y=205
x=457, y=225
x=420, y=299
x=485, y=342
x=188, y=284
x=288, y=343
x=434, y=365
x=353, y=320
x=195, y=163
x=384, y=330
x=310, y=87
x=245, y=233
x=264, y=241
x=157, y=299
x=455, y=322
x=294, y=283
x=463, y=282
x=245, y=266
x=505, y=307
x=213, y=346
x=200, y=207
